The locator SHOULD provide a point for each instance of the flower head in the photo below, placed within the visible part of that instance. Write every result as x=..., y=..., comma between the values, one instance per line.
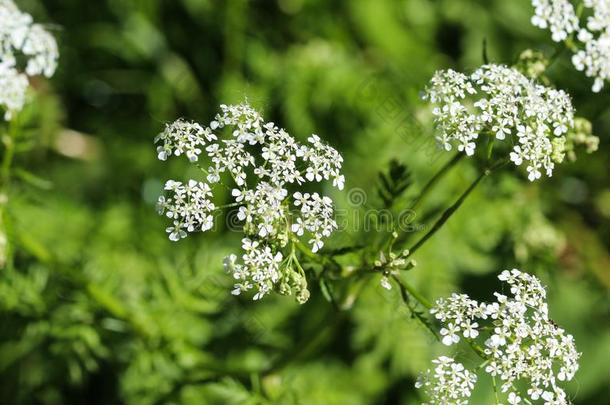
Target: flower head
x=590, y=36
x=183, y=137
x=522, y=344
x=263, y=162
x=558, y=16
x=189, y=208
x=500, y=102
x=448, y=383
x=20, y=38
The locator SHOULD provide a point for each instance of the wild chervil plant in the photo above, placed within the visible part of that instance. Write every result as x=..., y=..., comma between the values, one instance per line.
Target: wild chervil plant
x=496, y=114
x=522, y=344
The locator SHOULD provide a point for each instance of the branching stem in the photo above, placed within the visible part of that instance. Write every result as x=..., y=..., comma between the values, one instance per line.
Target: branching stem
x=434, y=181
x=448, y=213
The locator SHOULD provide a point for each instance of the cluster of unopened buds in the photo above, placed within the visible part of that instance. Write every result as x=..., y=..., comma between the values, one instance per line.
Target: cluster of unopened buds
x=522, y=345
x=22, y=40
x=391, y=264
x=587, y=35
x=268, y=169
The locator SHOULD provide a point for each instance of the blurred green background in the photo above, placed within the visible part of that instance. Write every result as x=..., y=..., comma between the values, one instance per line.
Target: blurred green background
x=102, y=308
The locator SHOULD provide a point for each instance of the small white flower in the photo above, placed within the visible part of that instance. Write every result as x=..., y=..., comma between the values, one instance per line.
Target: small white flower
x=298, y=227
x=470, y=329
x=13, y=87
x=513, y=398
x=189, y=206
x=315, y=217
x=183, y=137
x=450, y=334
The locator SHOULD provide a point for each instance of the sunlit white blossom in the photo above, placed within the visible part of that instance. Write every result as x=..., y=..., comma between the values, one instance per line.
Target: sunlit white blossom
x=589, y=36
x=260, y=268
x=316, y=217
x=13, y=86
x=26, y=49
x=459, y=313
x=498, y=103
x=559, y=16
x=594, y=56
x=183, y=137
x=449, y=383
x=262, y=162
x=522, y=344
x=188, y=206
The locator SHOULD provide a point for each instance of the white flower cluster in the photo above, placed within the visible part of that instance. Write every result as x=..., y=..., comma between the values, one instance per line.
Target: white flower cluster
x=501, y=102
x=450, y=383
x=523, y=344
x=183, y=137
x=592, y=49
x=189, y=207
x=594, y=59
x=459, y=314
x=260, y=265
x=264, y=162
x=316, y=218
x=558, y=16
x=21, y=39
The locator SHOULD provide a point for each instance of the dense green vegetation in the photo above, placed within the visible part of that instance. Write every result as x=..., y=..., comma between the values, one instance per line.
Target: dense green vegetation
x=98, y=306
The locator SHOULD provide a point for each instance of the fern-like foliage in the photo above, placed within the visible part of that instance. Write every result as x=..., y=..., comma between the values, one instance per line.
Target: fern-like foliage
x=393, y=183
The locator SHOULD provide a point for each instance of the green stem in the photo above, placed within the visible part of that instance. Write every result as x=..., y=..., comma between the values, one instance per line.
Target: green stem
x=555, y=56
x=446, y=215
x=434, y=180
x=405, y=290
x=7, y=161
x=493, y=379
x=451, y=210
x=477, y=349
x=425, y=192
x=9, y=154
x=6, y=226
x=305, y=251
x=412, y=291
x=237, y=204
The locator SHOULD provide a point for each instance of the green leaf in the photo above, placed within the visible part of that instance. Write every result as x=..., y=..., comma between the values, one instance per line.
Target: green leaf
x=393, y=184
x=326, y=290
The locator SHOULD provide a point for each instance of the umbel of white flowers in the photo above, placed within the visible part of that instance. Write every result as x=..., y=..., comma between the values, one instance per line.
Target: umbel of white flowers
x=523, y=346
x=449, y=383
x=589, y=38
x=500, y=102
x=262, y=162
x=21, y=39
